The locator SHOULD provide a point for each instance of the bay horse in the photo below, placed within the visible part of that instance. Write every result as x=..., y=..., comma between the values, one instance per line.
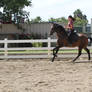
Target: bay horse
x=63, y=41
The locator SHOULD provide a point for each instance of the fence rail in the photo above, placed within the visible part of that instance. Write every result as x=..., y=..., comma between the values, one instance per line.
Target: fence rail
x=6, y=54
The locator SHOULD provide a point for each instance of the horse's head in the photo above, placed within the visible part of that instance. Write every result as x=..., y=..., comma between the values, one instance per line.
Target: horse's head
x=54, y=27
x=58, y=29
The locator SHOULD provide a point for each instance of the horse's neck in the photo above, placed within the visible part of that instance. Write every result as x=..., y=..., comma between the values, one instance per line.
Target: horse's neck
x=61, y=35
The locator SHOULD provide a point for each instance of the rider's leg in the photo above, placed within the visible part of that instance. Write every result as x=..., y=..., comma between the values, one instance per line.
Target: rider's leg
x=69, y=37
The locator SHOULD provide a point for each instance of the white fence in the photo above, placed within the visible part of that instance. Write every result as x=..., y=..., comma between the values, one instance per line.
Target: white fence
x=6, y=49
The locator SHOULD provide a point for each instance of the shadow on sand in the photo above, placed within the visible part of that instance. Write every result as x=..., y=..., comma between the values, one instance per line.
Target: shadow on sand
x=83, y=61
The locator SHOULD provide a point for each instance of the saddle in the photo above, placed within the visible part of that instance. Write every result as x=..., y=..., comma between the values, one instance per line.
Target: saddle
x=72, y=37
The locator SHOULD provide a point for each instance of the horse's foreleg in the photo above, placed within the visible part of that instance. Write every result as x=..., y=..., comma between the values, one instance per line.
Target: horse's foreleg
x=55, y=51
x=79, y=53
x=53, y=58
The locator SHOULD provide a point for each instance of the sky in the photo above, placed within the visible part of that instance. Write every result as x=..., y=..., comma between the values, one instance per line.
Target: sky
x=59, y=8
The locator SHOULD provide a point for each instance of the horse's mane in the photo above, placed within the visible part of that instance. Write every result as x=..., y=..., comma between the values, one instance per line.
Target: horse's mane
x=62, y=29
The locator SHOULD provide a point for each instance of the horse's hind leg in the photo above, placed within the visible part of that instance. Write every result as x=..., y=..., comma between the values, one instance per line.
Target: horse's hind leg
x=87, y=50
x=79, y=53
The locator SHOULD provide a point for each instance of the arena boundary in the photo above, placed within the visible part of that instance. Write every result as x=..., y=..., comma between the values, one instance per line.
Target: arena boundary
x=24, y=56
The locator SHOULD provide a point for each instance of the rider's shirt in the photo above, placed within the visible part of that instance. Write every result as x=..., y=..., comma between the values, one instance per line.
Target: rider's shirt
x=70, y=25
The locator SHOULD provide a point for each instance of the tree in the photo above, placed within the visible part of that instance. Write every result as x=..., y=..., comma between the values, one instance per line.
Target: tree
x=78, y=13
x=52, y=20
x=81, y=19
x=62, y=20
x=38, y=19
x=14, y=8
x=80, y=22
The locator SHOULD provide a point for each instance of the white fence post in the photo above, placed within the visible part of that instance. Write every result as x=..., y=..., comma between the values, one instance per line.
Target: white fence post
x=49, y=46
x=91, y=30
x=91, y=27
x=84, y=28
x=5, y=47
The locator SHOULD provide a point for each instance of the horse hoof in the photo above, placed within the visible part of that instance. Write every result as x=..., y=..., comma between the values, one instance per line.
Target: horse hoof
x=73, y=61
x=52, y=60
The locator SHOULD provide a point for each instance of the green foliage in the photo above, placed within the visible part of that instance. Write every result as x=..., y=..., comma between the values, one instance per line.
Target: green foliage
x=37, y=44
x=61, y=20
x=78, y=14
x=14, y=8
x=38, y=19
x=80, y=22
x=81, y=19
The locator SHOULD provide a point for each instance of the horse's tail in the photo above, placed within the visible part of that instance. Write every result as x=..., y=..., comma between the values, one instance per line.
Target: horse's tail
x=90, y=39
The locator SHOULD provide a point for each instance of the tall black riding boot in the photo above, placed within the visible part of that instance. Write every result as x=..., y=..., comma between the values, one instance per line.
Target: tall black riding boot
x=69, y=37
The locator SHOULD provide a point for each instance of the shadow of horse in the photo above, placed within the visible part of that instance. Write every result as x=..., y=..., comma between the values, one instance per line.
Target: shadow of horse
x=83, y=61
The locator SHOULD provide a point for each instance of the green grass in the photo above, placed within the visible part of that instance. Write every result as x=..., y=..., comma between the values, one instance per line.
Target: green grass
x=41, y=51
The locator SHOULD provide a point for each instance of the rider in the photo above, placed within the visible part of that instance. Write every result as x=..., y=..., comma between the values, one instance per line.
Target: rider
x=70, y=27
